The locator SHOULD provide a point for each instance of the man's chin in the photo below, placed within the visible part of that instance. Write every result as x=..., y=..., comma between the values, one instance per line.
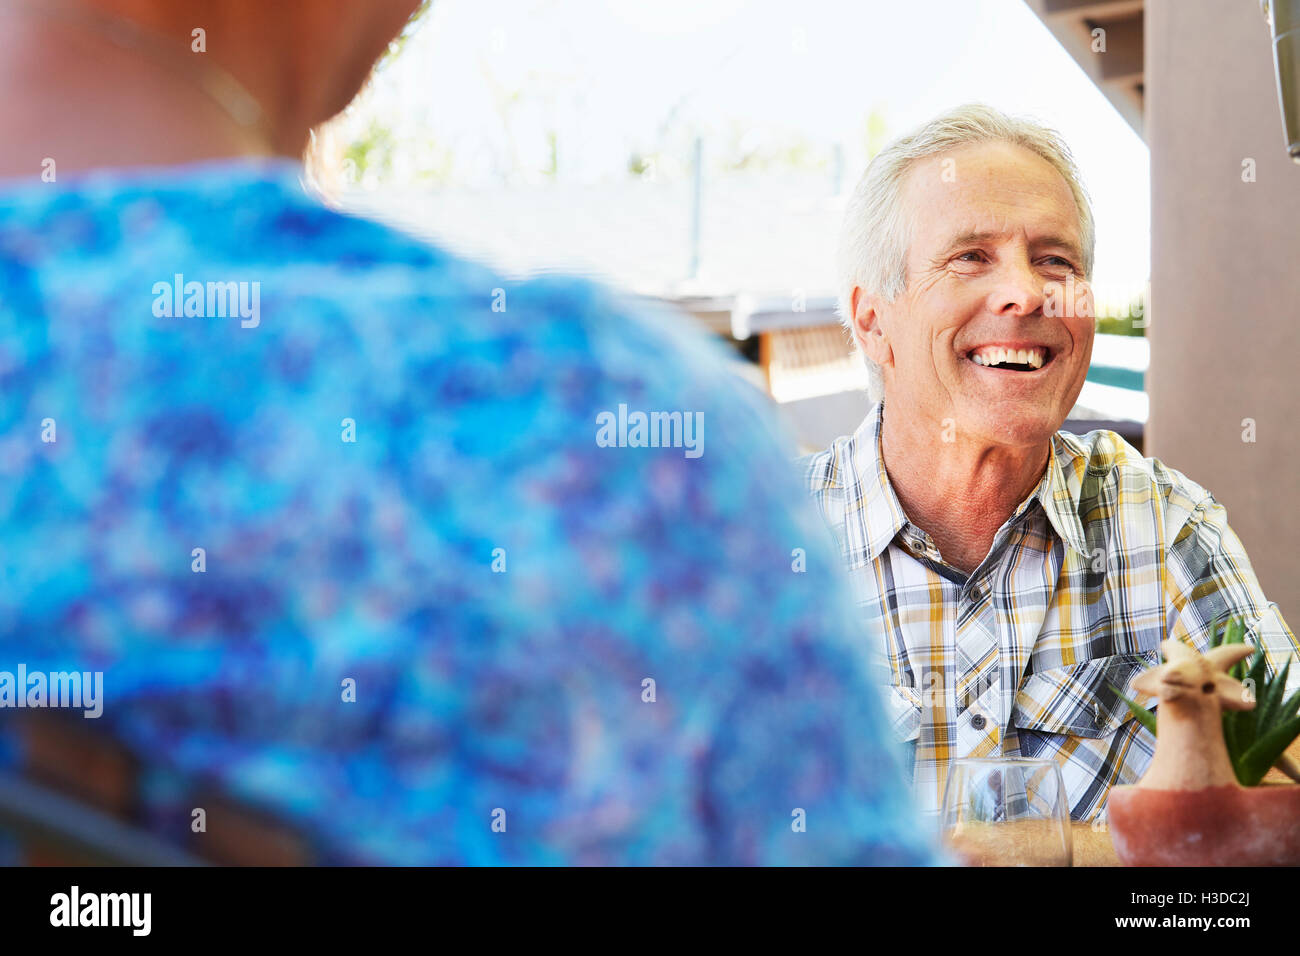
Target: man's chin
x=1020, y=427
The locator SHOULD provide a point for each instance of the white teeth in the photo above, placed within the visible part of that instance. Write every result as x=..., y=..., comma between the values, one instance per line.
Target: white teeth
x=1034, y=358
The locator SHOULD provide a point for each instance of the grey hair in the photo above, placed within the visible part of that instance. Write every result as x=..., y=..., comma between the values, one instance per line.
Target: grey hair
x=876, y=233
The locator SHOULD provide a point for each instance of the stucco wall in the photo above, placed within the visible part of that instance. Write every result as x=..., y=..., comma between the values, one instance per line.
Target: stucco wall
x=1225, y=276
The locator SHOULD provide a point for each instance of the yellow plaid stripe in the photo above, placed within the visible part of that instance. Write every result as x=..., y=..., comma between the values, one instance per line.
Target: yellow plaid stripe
x=1109, y=555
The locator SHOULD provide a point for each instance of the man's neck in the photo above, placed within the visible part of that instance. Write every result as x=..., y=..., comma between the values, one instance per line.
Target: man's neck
x=55, y=103
x=959, y=492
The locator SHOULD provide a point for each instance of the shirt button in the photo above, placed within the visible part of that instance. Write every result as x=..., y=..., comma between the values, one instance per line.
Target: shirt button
x=977, y=721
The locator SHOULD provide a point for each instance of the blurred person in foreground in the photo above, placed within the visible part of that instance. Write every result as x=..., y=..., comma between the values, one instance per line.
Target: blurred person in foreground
x=345, y=544
x=1015, y=571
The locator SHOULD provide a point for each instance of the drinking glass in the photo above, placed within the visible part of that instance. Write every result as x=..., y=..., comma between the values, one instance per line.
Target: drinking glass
x=1006, y=811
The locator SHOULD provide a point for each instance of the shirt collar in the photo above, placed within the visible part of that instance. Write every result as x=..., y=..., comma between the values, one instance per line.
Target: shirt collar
x=883, y=516
x=1059, y=494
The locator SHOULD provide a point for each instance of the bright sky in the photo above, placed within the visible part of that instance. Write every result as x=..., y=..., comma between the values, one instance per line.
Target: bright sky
x=609, y=77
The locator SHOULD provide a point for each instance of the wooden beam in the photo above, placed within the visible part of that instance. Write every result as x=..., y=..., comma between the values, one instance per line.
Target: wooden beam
x=1123, y=56
x=1119, y=72
x=1091, y=9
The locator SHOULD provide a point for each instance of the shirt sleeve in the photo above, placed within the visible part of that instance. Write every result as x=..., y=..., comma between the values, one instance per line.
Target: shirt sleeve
x=1210, y=577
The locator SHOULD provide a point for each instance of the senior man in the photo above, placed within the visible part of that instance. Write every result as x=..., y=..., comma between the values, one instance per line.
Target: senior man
x=1015, y=569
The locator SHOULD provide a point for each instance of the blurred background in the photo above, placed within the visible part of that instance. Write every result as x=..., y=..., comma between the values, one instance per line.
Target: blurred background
x=700, y=152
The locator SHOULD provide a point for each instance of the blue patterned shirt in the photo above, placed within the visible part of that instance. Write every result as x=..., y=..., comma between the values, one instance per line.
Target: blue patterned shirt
x=327, y=508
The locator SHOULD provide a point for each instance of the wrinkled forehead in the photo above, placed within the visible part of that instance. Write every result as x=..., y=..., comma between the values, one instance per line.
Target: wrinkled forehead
x=986, y=188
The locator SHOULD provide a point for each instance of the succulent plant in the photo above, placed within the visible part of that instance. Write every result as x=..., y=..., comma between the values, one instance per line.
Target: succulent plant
x=1256, y=738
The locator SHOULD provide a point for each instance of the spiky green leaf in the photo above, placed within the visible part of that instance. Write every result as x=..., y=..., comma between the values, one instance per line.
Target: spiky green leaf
x=1144, y=716
x=1216, y=638
x=1248, y=725
x=1230, y=720
x=1270, y=699
x=1235, y=633
x=1289, y=706
x=1263, y=753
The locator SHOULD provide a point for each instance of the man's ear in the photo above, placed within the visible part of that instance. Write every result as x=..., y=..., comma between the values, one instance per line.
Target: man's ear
x=867, y=328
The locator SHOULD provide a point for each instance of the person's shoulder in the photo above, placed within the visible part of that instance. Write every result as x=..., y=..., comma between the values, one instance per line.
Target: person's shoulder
x=823, y=471
x=633, y=354
x=1106, y=464
x=833, y=471
x=584, y=320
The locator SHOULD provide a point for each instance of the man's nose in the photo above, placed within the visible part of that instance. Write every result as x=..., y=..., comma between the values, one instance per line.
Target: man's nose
x=1019, y=290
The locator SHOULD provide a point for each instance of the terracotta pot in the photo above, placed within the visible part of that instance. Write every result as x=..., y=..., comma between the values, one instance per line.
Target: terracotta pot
x=1216, y=826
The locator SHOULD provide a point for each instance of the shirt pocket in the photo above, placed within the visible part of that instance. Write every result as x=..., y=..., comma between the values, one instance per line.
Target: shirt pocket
x=903, y=710
x=1076, y=700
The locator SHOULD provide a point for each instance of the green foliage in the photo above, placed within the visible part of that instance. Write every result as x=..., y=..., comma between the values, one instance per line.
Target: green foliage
x=1254, y=738
x=1132, y=321
x=373, y=150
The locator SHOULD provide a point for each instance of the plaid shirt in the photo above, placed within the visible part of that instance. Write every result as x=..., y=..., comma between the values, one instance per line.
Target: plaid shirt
x=1109, y=555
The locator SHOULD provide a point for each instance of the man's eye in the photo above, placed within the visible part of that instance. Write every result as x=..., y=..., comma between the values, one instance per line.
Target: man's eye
x=975, y=256
x=1059, y=261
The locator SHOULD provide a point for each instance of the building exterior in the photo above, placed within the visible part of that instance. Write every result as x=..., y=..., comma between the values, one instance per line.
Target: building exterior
x=1225, y=258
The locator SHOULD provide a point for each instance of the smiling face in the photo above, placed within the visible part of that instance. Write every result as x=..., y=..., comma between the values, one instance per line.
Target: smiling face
x=994, y=238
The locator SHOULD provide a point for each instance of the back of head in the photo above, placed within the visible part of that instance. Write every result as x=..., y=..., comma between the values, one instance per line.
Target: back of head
x=329, y=510
x=150, y=82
